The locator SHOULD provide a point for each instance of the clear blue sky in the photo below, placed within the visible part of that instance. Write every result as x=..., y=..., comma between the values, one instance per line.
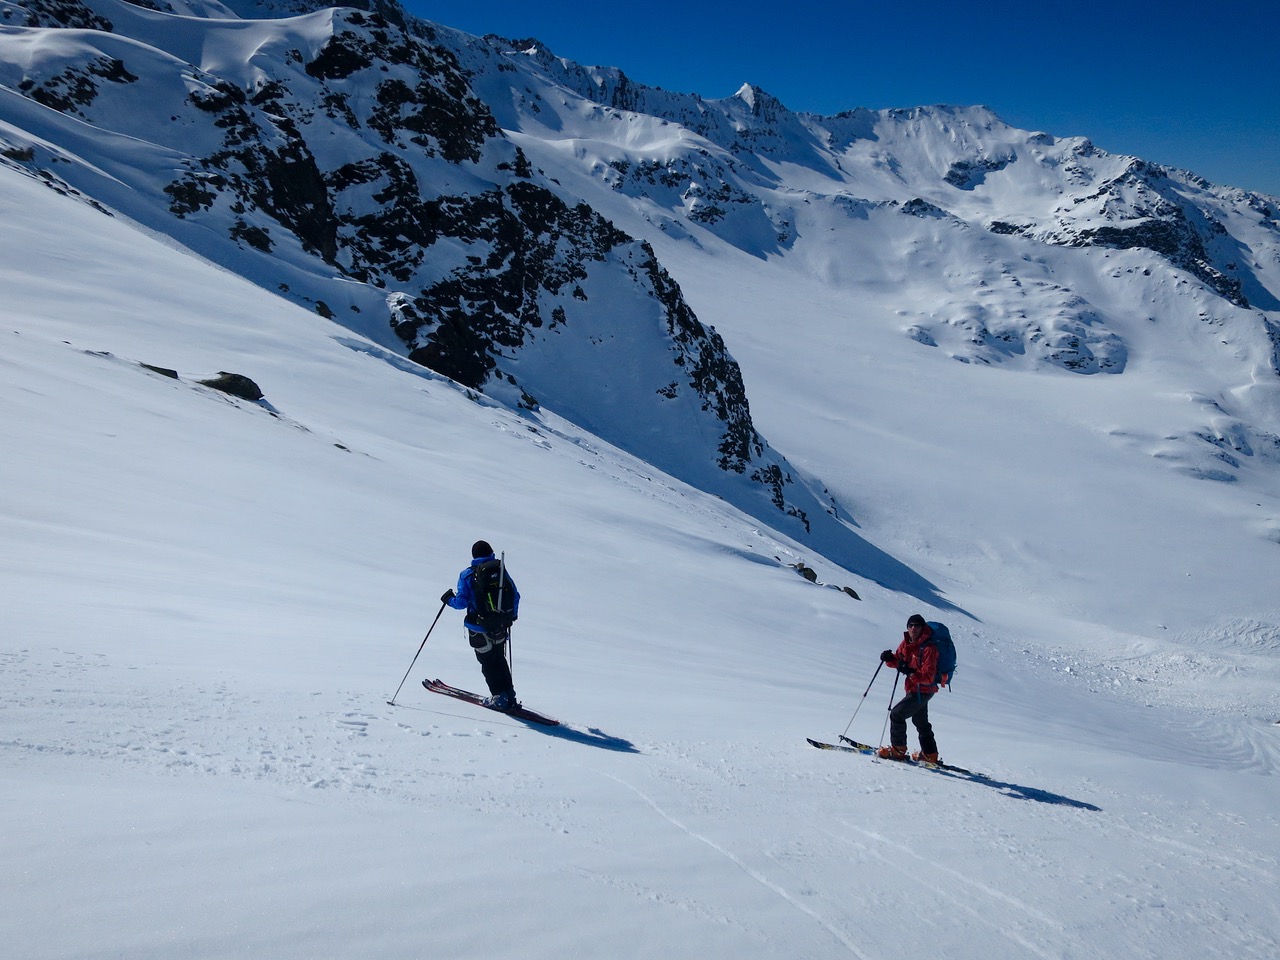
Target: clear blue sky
x=1191, y=85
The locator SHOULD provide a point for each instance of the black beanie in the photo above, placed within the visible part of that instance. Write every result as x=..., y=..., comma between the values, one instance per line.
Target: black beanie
x=480, y=549
x=915, y=620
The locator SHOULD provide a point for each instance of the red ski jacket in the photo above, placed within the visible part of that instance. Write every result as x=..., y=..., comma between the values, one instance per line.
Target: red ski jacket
x=922, y=658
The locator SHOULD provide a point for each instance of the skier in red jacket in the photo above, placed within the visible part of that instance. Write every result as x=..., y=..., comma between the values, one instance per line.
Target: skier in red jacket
x=917, y=659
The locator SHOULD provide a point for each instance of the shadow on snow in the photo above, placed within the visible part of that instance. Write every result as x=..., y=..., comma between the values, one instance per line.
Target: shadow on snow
x=1019, y=792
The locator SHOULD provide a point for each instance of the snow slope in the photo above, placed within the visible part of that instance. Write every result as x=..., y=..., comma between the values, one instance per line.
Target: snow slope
x=207, y=603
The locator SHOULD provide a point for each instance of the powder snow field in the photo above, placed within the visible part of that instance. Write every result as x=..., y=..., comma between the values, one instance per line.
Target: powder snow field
x=207, y=603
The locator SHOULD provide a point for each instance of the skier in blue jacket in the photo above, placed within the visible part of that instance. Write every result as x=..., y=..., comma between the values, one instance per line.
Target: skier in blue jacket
x=490, y=645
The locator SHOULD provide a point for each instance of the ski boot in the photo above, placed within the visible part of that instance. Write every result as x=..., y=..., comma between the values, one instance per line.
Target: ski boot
x=502, y=701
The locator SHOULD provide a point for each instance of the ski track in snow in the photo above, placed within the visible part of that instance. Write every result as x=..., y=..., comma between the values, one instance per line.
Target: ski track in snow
x=942, y=890
x=748, y=870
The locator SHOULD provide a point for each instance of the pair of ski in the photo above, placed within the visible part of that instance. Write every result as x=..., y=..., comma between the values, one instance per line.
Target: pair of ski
x=853, y=746
x=519, y=712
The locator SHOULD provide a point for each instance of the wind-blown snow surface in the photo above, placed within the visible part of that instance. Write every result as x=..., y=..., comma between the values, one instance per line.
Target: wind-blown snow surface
x=207, y=603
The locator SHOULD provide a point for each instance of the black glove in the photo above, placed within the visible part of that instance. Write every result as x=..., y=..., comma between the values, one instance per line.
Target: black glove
x=905, y=670
x=447, y=596
x=886, y=657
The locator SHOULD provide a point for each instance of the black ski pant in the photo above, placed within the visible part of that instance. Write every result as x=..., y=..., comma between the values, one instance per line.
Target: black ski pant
x=913, y=707
x=491, y=651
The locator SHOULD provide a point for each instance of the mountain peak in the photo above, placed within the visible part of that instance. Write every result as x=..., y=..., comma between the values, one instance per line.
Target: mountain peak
x=761, y=102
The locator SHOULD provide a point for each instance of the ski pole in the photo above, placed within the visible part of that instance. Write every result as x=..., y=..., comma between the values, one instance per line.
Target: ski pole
x=392, y=701
x=862, y=701
x=502, y=583
x=890, y=710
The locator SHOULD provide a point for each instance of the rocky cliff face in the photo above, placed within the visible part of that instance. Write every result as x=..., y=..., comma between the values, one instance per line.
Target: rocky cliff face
x=342, y=157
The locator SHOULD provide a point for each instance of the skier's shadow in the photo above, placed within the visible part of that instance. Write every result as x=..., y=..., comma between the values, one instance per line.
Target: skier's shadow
x=591, y=737
x=1019, y=792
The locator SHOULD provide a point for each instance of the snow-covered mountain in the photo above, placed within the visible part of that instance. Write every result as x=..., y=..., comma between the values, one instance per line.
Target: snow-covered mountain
x=342, y=159
x=691, y=365
x=493, y=212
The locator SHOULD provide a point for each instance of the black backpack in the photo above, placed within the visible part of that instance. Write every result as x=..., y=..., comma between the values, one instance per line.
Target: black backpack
x=494, y=597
